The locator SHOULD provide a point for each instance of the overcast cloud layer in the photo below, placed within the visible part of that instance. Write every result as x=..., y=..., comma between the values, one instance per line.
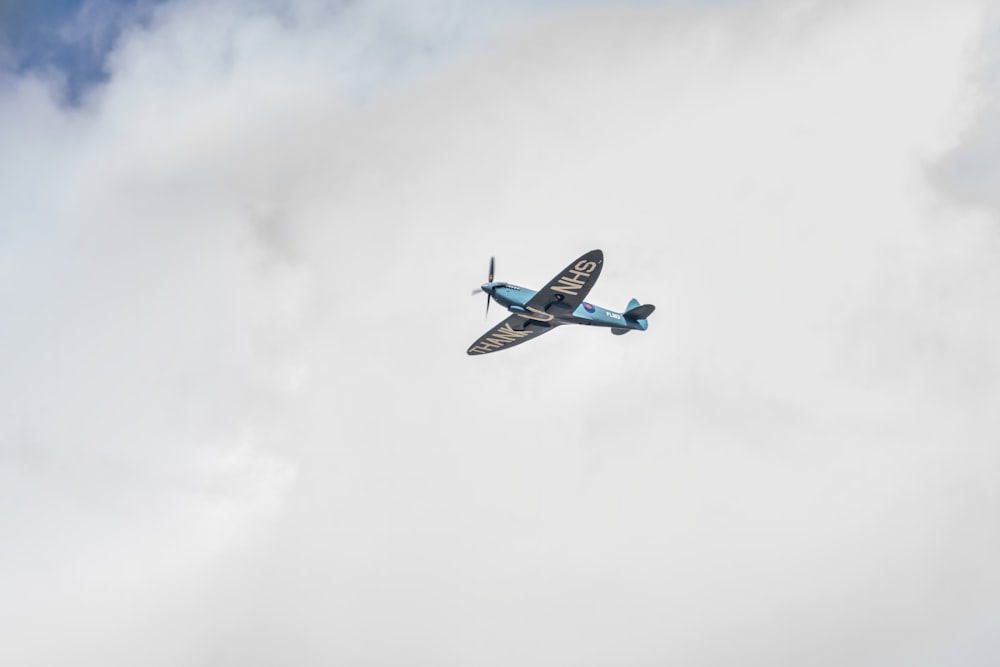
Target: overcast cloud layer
x=239, y=426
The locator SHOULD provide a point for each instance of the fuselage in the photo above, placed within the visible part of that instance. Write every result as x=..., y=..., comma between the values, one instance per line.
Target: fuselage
x=515, y=299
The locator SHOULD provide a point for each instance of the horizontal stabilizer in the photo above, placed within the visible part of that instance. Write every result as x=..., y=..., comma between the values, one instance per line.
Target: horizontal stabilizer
x=640, y=312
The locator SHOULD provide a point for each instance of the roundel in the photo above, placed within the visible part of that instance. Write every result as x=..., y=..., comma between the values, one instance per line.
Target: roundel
x=589, y=308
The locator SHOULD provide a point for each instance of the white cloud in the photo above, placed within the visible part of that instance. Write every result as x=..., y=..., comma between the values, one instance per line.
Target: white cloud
x=241, y=427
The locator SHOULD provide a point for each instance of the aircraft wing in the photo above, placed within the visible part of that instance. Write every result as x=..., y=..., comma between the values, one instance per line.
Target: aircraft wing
x=568, y=289
x=512, y=331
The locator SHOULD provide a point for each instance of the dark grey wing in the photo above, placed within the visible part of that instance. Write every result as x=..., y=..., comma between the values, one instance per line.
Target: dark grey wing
x=570, y=287
x=512, y=331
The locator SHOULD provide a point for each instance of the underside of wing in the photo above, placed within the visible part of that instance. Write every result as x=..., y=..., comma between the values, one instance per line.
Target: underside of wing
x=512, y=331
x=569, y=288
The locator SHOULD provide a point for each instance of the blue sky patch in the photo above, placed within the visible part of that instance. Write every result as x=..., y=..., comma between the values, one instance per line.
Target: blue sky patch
x=68, y=39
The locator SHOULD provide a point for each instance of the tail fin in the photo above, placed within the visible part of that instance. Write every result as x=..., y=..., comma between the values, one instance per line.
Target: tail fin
x=639, y=313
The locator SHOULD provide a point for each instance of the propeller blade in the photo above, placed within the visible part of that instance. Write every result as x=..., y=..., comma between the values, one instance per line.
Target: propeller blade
x=488, y=286
x=476, y=291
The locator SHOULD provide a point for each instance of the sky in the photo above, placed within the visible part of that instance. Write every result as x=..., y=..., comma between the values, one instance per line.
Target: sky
x=239, y=426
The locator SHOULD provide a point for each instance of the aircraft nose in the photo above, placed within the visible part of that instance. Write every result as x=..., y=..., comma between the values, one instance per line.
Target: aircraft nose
x=486, y=287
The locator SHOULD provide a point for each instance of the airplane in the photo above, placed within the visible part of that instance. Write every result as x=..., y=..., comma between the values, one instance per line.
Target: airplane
x=560, y=302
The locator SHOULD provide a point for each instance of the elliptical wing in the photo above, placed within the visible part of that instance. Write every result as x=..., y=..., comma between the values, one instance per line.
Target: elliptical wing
x=564, y=293
x=512, y=331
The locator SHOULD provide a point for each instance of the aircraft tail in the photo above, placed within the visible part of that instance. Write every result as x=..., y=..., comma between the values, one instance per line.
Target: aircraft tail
x=636, y=313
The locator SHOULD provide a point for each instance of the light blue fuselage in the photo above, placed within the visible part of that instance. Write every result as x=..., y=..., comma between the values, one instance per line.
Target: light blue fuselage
x=515, y=298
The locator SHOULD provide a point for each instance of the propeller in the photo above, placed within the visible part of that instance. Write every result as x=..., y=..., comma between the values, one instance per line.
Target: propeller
x=489, y=281
x=488, y=299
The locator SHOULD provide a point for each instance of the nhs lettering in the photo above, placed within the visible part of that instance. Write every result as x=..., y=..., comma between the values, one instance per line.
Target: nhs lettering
x=574, y=278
